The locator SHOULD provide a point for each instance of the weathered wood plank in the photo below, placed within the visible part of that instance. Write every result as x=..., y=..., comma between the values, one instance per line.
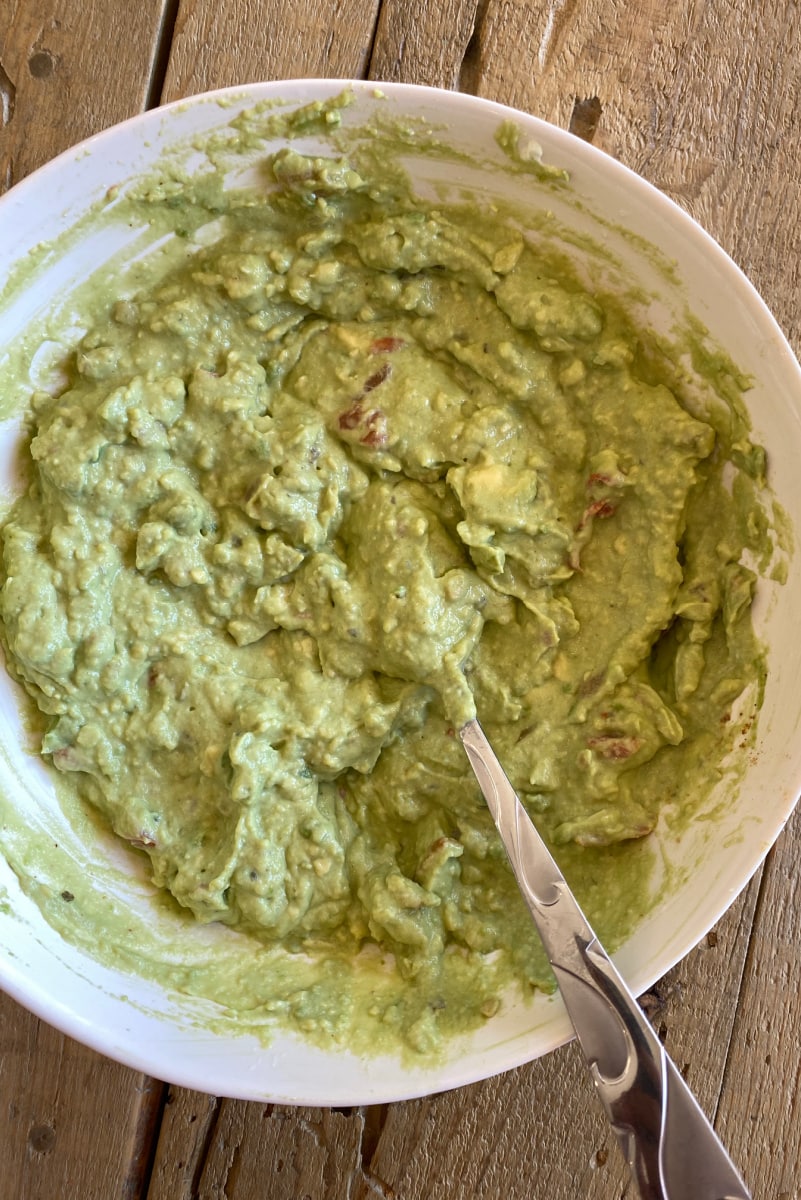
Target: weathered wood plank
x=244, y=41
x=760, y=1111
x=187, y=1126
x=73, y=1124
x=285, y=1153
x=419, y=42
x=60, y=79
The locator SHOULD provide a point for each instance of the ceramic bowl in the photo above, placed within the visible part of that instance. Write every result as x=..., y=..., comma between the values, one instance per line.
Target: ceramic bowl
x=81, y=984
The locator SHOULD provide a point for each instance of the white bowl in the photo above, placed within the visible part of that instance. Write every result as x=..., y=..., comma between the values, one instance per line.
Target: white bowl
x=191, y=1042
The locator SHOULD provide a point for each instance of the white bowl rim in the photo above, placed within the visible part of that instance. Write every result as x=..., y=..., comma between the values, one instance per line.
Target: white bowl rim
x=192, y=1074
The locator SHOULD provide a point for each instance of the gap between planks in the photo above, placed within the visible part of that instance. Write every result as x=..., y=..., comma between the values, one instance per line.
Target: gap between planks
x=161, y=53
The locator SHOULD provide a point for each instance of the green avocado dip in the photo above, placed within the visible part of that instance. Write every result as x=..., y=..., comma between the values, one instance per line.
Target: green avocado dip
x=357, y=470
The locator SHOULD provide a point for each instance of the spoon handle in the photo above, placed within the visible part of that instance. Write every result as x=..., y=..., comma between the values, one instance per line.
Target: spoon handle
x=673, y=1151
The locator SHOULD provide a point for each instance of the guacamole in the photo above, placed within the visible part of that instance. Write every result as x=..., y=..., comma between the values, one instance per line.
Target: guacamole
x=359, y=469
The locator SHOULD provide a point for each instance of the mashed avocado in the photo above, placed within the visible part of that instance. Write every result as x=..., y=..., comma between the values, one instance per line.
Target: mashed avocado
x=359, y=469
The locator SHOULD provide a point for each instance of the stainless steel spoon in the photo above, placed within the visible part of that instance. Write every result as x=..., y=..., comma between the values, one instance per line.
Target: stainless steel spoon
x=673, y=1152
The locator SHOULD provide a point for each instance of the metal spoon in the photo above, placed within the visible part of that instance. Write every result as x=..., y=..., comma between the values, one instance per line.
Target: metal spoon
x=672, y=1150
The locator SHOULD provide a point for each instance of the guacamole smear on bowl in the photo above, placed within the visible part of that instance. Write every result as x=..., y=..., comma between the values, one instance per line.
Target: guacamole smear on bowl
x=357, y=469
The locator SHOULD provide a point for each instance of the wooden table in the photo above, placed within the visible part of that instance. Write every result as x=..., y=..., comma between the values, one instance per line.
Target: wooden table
x=703, y=97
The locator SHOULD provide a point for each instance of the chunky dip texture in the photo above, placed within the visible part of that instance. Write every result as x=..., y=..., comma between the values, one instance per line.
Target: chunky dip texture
x=359, y=469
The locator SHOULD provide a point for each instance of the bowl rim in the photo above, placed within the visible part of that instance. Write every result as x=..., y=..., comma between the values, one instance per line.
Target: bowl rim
x=193, y=1074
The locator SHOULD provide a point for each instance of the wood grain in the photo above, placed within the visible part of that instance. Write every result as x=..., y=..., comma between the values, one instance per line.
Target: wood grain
x=210, y=1149
x=301, y=1152
x=73, y=1124
x=68, y=70
x=760, y=1110
x=184, y=1137
x=419, y=42
x=245, y=41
